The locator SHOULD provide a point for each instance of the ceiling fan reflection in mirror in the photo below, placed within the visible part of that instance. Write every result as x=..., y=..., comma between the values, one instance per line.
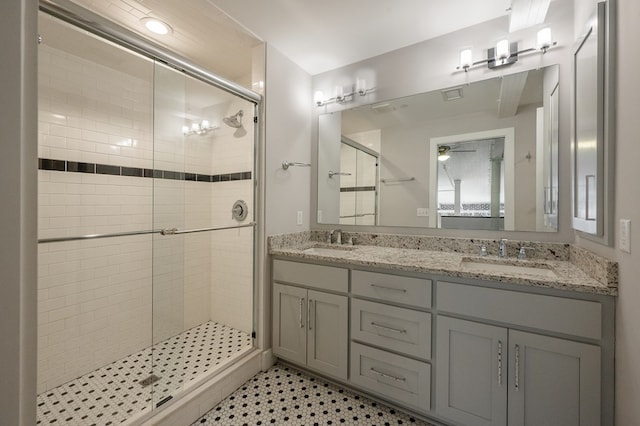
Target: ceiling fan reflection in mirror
x=444, y=152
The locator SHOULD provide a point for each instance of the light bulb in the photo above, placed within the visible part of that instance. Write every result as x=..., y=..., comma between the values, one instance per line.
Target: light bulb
x=185, y=130
x=502, y=49
x=205, y=124
x=443, y=157
x=544, y=38
x=318, y=98
x=195, y=127
x=339, y=93
x=466, y=58
x=361, y=87
x=156, y=26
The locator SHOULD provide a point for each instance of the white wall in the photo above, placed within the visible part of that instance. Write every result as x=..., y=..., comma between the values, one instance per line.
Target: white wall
x=431, y=64
x=288, y=136
x=18, y=214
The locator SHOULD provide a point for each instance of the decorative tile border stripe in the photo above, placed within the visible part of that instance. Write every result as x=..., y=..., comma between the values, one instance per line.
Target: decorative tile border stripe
x=106, y=169
x=357, y=188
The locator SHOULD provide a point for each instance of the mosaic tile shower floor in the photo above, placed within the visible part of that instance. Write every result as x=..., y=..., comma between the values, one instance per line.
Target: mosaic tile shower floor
x=112, y=394
x=284, y=395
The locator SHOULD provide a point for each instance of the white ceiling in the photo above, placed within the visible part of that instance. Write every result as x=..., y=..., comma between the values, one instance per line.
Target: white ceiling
x=323, y=35
x=317, y=35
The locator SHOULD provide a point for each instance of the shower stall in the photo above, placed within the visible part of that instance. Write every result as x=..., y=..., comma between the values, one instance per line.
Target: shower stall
x=146, y=228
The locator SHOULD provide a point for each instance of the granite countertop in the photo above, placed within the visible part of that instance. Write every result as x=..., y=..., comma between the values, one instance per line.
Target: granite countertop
x=565, y=275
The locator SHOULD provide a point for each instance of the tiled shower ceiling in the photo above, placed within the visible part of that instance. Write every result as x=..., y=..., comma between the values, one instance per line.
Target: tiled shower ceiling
x=213, y=40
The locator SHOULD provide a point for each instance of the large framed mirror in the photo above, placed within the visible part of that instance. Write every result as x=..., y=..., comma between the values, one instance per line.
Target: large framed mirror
x=592, y=115
x=449, y=158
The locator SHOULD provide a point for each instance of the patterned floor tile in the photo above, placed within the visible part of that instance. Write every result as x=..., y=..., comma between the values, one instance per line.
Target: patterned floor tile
x=284, y=395
x=113, y=393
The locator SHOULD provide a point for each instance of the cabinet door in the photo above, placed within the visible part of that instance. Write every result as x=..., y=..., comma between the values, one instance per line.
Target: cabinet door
x=552, y=381
x=327, y=333
x=471, y=372
x=289, y=321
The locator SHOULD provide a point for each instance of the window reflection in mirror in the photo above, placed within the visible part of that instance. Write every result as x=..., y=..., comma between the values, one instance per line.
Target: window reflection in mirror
x=470, y=184
x=524, y=105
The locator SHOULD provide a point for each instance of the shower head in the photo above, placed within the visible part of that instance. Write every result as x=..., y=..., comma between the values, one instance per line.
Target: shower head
x=235, y=120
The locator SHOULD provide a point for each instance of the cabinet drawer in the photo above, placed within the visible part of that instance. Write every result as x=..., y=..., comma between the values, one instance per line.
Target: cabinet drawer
x=394, y=377
x=398, y=329
x=392, y=288
x=569, y=316
x=317, y=276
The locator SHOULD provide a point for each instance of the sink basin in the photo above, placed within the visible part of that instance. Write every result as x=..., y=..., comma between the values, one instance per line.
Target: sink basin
x=326, y=249
x=498, y=267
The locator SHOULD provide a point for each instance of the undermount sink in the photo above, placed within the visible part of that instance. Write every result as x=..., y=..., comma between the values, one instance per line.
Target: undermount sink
x=507, y=267
x=323, y=249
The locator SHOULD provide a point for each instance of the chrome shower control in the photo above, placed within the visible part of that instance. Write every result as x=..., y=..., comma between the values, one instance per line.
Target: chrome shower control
x=240, y=210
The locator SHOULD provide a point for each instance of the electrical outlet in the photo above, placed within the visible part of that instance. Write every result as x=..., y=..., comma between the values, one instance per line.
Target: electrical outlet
x=422, y=212
x=299, y=221
x=624, y=242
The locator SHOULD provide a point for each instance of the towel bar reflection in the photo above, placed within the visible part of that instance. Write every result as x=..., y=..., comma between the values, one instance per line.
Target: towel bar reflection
x=332, y=173
x=287, y=164
x=391, y=180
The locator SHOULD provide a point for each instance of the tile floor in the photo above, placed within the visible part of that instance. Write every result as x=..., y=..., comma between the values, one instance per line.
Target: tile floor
x=285, y=395
x=113, y=393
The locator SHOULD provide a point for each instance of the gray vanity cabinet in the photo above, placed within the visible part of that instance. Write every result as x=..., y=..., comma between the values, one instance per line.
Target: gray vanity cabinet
x=553, y=381
x=492, y=375
x=471, y=372
x=391, y=337
x=310, y=327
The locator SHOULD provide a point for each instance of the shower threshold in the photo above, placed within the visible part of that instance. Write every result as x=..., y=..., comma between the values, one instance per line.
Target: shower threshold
x=114, y=393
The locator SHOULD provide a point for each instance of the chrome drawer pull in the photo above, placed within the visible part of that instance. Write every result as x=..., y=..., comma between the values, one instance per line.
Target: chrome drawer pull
x=384, y=327
x=402, y=290
x=387, y=376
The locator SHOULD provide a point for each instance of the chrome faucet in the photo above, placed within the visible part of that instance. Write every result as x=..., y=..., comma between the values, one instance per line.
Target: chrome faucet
x=502, y=248
x=338, y=234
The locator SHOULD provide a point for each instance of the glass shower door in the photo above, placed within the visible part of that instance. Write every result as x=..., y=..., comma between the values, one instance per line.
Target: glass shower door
x=203, y=258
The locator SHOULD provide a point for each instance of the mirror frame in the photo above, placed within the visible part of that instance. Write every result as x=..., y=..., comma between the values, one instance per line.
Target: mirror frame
x=599, y=25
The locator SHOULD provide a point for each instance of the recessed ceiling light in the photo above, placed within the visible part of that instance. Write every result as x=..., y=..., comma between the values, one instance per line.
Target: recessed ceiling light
x=156, y=26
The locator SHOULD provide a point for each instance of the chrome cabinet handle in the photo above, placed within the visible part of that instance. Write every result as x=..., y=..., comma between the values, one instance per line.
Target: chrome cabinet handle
x=384, y=327
x=309, y=315
x=499, y=362
x=403, y=290
x=300, y=318
x=387, y=376
x=517, y=372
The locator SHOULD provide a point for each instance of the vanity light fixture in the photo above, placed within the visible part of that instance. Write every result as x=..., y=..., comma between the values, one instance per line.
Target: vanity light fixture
x=505, y=52
x=156, y=26
x=340, y=97
x=201, y=128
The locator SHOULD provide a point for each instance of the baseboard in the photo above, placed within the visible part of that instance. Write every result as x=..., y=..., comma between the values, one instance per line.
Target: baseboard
x=268, y=360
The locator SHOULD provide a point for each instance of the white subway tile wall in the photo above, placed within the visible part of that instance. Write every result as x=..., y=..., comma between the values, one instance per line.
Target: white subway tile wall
x=103, y=299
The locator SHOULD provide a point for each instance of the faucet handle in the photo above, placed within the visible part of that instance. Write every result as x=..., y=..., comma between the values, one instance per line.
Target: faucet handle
x=483, y=249
x=522, y=253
